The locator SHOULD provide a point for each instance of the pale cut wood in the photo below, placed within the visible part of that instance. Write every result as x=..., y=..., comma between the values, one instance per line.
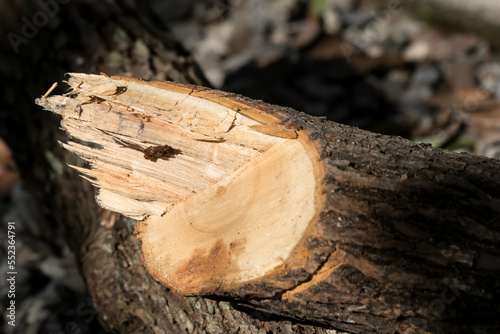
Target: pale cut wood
x=228, y=205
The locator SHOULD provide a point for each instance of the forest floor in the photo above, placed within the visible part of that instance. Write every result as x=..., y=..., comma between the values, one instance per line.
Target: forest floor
x=348, y=61
x=351, y=62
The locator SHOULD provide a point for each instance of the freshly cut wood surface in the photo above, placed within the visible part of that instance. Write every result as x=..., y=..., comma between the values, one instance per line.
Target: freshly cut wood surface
x=228, y=195
x=291, y=214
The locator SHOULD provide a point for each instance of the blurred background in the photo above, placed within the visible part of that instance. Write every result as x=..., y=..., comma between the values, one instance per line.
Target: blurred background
x=429, y=72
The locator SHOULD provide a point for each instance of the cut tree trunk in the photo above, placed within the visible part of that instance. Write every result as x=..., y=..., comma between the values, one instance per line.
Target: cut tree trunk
x=289, y=214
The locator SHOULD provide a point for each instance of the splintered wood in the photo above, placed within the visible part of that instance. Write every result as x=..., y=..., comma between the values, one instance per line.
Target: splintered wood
x=225, y=191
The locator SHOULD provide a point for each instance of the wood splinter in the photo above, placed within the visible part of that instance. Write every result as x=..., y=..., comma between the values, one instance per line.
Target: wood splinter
x=298, y=216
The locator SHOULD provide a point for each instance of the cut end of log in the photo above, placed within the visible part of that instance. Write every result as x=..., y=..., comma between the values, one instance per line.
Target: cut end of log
x=226, y=191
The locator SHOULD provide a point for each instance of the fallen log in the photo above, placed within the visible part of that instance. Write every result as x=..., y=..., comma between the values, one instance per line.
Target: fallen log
x=291, y=214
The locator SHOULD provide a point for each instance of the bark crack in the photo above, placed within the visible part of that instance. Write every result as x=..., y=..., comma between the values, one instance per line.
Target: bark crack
x=322, y=268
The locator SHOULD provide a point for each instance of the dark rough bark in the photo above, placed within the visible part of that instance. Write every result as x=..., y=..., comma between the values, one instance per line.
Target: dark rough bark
x=410, y=237
x=412, y=230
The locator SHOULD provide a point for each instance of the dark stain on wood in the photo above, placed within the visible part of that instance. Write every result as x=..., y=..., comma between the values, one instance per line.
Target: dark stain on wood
x=154, y=153
x=120, y=90
x=209, y=265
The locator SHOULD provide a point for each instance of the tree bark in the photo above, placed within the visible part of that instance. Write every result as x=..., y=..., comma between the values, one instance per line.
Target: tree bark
x=409, y=234
x=385, y=235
